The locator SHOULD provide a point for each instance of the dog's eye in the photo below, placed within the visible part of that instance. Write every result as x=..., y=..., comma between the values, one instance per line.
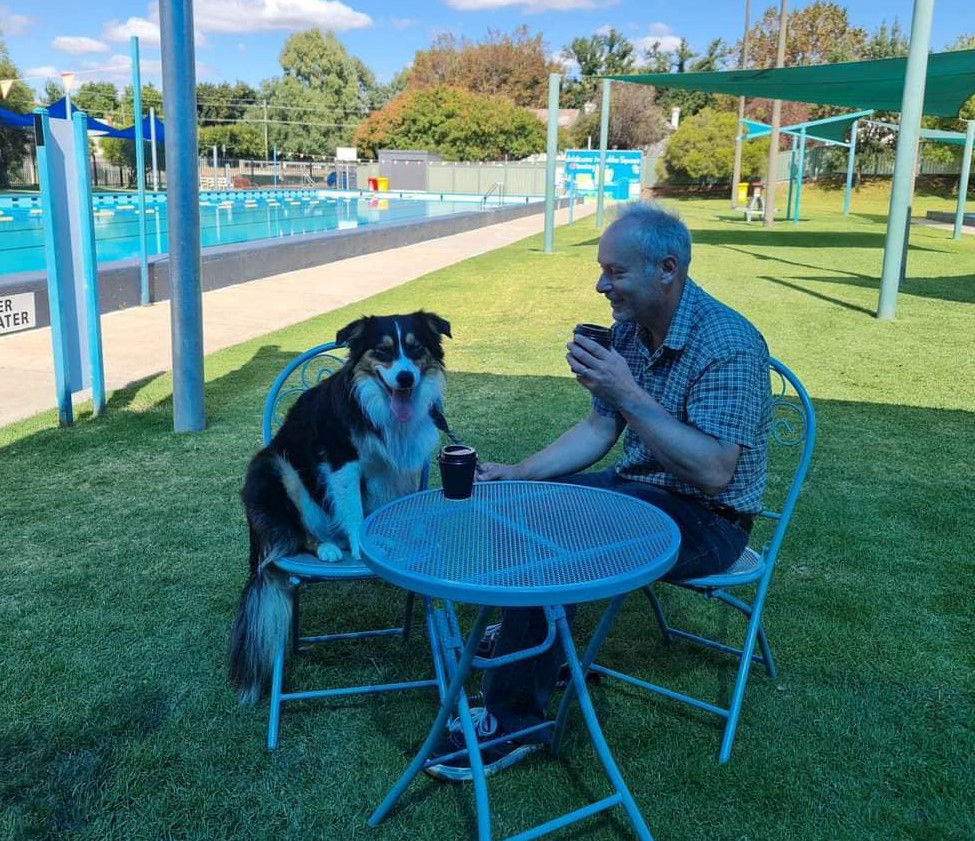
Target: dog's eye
x=381, y=355
x=414, y=351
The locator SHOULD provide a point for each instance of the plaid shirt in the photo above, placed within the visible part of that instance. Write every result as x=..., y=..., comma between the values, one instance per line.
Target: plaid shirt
x=711, y=372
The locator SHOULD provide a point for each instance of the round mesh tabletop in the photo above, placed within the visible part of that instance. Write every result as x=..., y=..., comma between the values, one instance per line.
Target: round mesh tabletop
x=519, y=544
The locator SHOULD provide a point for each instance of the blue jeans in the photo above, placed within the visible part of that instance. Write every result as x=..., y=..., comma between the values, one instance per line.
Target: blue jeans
x=518, y=695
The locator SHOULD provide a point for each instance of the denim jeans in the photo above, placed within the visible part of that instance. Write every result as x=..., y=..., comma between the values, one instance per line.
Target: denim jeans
x=518, y=694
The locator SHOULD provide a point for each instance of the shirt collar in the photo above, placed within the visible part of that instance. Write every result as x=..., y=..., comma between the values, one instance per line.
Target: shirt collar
x=683, y=319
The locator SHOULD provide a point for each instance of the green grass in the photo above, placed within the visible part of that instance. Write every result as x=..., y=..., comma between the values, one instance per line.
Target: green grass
x=124, y=552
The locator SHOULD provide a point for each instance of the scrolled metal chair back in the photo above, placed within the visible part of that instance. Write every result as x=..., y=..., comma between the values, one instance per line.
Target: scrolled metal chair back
x=792, y=437
x=301, y=374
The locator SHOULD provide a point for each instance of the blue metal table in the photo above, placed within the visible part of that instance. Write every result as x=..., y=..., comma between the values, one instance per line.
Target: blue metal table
x=519, y=544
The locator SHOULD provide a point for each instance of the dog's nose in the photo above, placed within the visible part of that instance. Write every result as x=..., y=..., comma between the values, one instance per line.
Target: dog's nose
x=404, y=379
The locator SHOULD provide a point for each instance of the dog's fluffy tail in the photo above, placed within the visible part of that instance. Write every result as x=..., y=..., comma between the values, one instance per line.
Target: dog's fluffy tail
x=263, y=620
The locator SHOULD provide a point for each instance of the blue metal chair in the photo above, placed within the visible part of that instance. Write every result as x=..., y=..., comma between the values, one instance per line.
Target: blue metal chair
x=793, y=425
x=301, y=374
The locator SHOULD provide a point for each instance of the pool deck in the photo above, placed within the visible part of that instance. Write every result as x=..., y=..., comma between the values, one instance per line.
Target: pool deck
x=137, y=341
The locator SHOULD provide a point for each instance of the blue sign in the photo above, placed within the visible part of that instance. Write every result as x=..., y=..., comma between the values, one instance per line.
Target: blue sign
x=623, y=168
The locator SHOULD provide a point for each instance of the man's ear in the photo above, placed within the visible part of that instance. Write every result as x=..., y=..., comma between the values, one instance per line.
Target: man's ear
x=351, y=331
x=668, y=269
x=435, y=322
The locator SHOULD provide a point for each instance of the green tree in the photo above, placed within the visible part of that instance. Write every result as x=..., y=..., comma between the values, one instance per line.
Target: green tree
x=120, y=152
x=236, y=140
x=702, y=149
x=97, y=99
x=605, y=53
x=53, y=91
x=691, y=102
x=13, y=141
x=819, y=33
x=223, y=103
x=635, y=121
x=455, y=124
x=887, y=42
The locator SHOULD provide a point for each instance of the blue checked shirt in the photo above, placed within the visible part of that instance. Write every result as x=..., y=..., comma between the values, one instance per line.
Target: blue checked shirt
x=711, y=372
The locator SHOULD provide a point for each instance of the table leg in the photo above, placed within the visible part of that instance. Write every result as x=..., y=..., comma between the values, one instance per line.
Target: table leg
x=446, y=707
x=589, y=714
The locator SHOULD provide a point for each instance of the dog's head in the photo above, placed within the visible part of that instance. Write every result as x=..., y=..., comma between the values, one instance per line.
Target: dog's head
x=397, y=362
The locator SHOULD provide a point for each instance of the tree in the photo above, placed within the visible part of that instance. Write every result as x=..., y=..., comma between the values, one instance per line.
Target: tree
x=236, y=140
x=121, y=152
x=603, y=53
x=53, y=91
x=820, y=33
x=635, y=121
x=454, y=123
x=702, y=149
x=887, y=43
x=13, y=141
x=317, y=103
x=691, y=102
x=512, y=65
x=97, y=99
x=223, y=103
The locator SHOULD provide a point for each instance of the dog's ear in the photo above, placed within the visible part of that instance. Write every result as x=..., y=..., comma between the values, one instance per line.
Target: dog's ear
x=434, y=322
x=351, y=332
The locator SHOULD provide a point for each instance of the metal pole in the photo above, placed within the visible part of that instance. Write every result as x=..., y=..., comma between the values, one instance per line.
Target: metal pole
x=603, y=143
x=800, y=173
x=265, y=129
x=773, y=149
x=214, y=166
x=551, y=150
x=90, y=266
x=850, y=160
x=152, y=146
x=183, y=201
x=966, y=168
x=792, y=176
x=140, y=172
x=898, y=217
x=736, y=171
x=274, y=166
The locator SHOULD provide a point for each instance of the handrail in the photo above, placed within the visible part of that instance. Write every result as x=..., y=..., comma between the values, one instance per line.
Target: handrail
x=499, y=185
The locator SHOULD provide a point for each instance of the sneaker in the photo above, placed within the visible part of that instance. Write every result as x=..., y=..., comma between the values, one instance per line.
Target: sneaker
x=495, y=758
x=485, y=648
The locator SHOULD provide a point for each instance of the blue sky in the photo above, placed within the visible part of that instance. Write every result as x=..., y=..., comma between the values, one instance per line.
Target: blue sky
x=241, y=39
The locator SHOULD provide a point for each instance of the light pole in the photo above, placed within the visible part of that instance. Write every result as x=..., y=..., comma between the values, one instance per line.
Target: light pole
x=736, y=171
x=773, y=149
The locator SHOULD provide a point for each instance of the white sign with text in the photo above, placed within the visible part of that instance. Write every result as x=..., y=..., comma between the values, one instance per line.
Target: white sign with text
x=17, y=312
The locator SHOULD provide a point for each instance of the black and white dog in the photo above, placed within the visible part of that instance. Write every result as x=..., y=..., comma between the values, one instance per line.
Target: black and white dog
x=355, y=441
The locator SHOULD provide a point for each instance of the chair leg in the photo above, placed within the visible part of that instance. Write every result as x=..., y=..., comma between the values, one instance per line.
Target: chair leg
x=295, y=633
x=277, y=681
x=408, y=615
x=658, y=610
x=747, y=610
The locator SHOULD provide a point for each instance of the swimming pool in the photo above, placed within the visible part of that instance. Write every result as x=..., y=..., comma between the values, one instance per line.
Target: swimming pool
x=226, y=217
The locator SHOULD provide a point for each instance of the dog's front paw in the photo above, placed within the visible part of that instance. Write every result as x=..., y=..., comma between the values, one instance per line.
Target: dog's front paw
x=329, y=553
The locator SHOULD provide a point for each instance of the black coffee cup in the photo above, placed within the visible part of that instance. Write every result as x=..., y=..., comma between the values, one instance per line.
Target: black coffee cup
x=600, y=335
x=457, y=465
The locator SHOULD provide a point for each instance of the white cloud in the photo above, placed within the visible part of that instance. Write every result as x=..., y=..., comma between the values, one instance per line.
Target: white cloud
x=659, y=32
x=78, y=44
x=529, y=5
x=604, y=29
x=402, y=23
x=45, y=71
x=257, y=15
x=12, y=23
x=146, y=30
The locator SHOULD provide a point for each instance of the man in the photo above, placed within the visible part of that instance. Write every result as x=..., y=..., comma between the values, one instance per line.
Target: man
x=687, y=377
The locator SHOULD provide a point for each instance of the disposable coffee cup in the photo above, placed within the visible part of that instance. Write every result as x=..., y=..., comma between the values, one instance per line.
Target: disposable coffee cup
x=601, y=335
x=457, y=465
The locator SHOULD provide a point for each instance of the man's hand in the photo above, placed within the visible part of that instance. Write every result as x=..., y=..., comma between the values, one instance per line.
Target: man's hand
x=490, y=471
x=603, y=371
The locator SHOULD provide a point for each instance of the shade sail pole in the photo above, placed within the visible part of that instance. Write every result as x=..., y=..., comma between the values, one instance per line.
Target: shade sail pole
x=907, y=140
x=966, y=168
x=850, y=160
x=603, y=143
x=140, y=171
x=551, y=150
x=773, y=149
x=183, y=202
x=739, y=140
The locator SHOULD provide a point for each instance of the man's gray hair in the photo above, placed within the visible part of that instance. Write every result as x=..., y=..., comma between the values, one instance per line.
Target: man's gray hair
x=659, y=232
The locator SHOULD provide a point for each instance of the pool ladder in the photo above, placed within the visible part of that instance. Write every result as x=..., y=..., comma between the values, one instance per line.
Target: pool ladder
x=497, y=185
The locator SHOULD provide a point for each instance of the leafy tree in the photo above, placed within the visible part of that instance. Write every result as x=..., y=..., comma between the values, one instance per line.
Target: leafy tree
x=454, y=123
x=13, y=141
x=53, y=91
x=606, y=53
x=702, y=149
x=887, y=42
x=691, y=102
x=236, y=140
x=819, y=33
x=512, y=65
x=97, y=99
x=635, y=121
x=122, y=152
x=223, y=103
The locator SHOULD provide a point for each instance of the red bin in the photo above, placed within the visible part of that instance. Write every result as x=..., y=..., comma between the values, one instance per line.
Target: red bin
x=374, y=184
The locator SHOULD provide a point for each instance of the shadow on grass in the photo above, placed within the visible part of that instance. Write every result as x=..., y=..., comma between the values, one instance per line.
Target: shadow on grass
x=956, y=288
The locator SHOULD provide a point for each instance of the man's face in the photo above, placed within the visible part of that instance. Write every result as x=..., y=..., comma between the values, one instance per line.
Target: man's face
x=633, y=288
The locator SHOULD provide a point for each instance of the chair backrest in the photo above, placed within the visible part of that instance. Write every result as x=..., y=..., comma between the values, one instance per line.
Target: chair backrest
x=793, y=426
x=300, y=374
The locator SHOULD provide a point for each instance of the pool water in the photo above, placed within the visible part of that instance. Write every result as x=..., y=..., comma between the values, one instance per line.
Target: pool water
x=225, y=218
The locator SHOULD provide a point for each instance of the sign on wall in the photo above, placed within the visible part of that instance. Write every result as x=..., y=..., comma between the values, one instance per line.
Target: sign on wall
x=623, y=170
x=17, y=312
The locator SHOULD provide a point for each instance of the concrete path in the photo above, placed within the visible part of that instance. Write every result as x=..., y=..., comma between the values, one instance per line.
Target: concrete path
x=137, y=341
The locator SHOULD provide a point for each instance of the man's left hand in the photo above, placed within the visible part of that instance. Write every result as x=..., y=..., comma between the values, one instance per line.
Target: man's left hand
x=603, y=371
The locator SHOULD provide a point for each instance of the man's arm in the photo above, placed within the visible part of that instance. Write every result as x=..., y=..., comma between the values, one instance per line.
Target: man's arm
x=578, y=448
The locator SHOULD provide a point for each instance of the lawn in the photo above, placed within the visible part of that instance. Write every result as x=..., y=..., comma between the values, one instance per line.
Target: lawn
x=124, y=553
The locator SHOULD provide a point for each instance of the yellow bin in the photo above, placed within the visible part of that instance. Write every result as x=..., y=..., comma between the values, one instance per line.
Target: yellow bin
x=742, y=192
x=382, y=184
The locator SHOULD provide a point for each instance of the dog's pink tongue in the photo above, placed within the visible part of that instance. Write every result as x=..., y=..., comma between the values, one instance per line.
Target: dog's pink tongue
x=401, y=402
